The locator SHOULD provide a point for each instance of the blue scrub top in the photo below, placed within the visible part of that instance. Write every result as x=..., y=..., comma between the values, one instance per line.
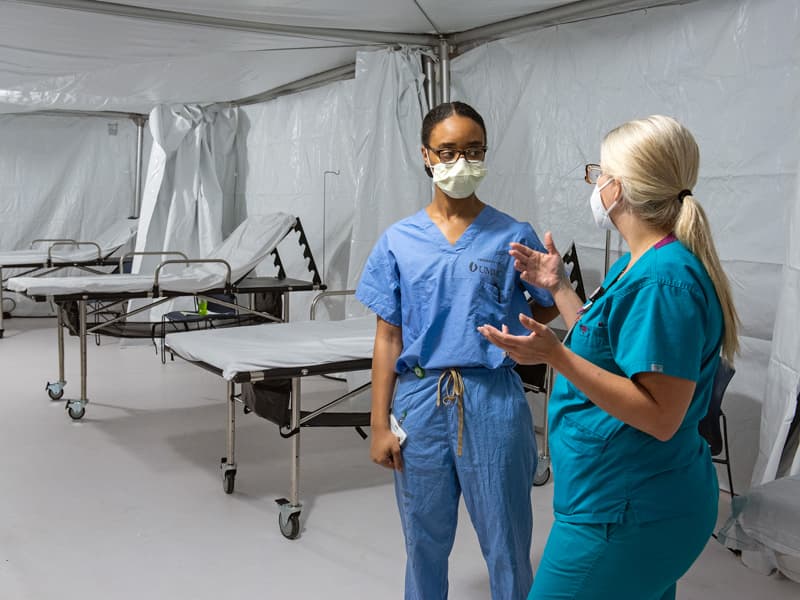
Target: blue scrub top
x=439, y=293
x=663, y=316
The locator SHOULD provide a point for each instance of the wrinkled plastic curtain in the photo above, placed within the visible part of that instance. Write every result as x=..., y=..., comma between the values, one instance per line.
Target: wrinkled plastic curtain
x=187, y=203
x=62, y=177
x=730, y=71
x=783, y=373
x=391, y=182
x=295, y=154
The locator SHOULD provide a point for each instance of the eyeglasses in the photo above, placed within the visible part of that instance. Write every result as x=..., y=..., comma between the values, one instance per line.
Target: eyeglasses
x=593, y=173
x=450, y=155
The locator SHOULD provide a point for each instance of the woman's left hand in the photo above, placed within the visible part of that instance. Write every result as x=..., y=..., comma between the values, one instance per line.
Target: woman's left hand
x=532, y=349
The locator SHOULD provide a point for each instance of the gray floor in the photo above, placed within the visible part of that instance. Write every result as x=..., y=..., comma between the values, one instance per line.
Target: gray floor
x=128, y=503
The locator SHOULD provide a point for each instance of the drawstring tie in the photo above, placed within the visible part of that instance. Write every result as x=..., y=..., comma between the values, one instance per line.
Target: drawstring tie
x=451, y=378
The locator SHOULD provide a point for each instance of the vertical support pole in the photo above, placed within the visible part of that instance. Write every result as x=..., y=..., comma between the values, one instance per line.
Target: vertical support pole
x=137, y=189
x=294, y=496
x=286, y=307
x=444, y=70
x=430, y=80
x=607, y=262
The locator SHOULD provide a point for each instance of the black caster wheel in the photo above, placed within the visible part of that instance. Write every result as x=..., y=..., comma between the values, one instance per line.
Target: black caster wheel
x=290, y=527
x=55, y=393
x=76, y=412
x=229, y=481
x=541, y=478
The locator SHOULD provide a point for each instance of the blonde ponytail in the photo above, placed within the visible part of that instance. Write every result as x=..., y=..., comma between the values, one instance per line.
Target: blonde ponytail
x=656, y=161
x=693, y=231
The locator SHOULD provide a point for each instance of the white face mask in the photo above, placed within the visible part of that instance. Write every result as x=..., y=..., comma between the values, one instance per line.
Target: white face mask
x=600, y=212
x=459, y=179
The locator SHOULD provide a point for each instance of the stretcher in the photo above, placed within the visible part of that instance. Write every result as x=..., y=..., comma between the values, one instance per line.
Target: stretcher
x=277, y=357
x=48, y=255
x=224, y=272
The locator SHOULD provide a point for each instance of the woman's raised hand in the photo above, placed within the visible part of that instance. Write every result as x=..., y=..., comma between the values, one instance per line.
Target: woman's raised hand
x=544, y=270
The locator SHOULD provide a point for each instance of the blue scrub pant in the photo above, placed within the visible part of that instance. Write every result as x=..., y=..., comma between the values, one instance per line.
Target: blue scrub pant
x=625, y=561
x=494, y=472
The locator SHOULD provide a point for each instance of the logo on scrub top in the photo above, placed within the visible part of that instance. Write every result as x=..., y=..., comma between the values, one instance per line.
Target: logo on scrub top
x=490, y=269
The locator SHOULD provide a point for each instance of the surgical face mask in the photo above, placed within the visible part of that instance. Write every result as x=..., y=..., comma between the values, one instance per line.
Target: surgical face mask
x=459, y=179
x=600, y=212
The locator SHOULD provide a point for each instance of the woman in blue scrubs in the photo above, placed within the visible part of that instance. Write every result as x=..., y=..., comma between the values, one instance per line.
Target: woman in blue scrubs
x=432, y=279
x=636, y=493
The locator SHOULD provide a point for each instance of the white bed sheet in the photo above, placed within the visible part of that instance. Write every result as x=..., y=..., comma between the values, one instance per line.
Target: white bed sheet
x=116, y=236
x=765, y=525
x=243, y=249
x=277, y=345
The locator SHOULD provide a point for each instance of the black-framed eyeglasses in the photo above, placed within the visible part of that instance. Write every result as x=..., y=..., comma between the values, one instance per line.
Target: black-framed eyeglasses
x=593, y=173
x=448, y=156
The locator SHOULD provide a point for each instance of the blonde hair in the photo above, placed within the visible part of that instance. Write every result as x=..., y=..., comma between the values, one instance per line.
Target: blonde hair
x=655, y=160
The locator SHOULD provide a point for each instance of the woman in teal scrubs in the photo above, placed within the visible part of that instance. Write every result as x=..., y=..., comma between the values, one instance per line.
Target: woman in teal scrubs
x=636, y=493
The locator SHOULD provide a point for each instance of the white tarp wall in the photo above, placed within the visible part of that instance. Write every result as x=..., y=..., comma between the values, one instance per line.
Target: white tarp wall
x=62, y=176
x=289, y=151
x=392, y=184
x=783, y=374
x=187, y=203
x=729, y=70
x=367, y=129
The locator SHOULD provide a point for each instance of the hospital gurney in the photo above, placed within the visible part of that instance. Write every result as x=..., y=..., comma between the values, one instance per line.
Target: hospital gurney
x=282, y=354
x=225, y=271
x=48, y=255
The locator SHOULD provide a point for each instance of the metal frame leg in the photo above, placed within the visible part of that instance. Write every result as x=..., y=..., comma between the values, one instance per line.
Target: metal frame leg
x=228, y=462
x=77, y=408
x=289, y=517
x=1, y=303
x=56, y=390
x=542, y=475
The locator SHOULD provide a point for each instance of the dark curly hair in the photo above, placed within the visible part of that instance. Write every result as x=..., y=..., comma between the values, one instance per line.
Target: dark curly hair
x=441, y=112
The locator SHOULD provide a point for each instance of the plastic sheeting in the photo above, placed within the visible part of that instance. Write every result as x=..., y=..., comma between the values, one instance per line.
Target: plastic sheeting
x=242, y=250
x=550, y=96
x=277, y=345
x=295, y=153
x=783, y=374
x=187, y=201
x=391, y=182
x=62, y=177
x=765, y=526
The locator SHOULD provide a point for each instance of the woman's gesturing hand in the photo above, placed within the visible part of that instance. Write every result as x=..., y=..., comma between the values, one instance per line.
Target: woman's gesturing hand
x=544, y=270
x=535, y=348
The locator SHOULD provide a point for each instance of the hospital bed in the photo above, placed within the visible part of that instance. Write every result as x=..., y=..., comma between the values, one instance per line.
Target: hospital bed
x=268, y=362
x=225, y=271
x=277, y=357
x=48, y=255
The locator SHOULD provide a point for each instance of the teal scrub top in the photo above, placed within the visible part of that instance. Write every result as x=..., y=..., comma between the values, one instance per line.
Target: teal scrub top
x=663, y=316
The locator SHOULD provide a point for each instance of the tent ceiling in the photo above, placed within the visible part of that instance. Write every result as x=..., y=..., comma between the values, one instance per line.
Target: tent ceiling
x=115, y=56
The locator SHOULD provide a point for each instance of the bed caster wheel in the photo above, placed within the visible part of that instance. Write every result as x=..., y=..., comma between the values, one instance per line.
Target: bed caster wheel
x=76, y=410
x=2, y=330
x=289, y=525
x=541, y=477
x=55, y=390
x=229, y=481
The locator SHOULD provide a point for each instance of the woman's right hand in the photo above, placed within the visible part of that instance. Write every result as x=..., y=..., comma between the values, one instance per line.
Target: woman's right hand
x=544, y=270
x=385, y=449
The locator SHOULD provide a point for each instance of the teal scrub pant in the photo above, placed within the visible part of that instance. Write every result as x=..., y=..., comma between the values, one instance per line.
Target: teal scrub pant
x=625, y=561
